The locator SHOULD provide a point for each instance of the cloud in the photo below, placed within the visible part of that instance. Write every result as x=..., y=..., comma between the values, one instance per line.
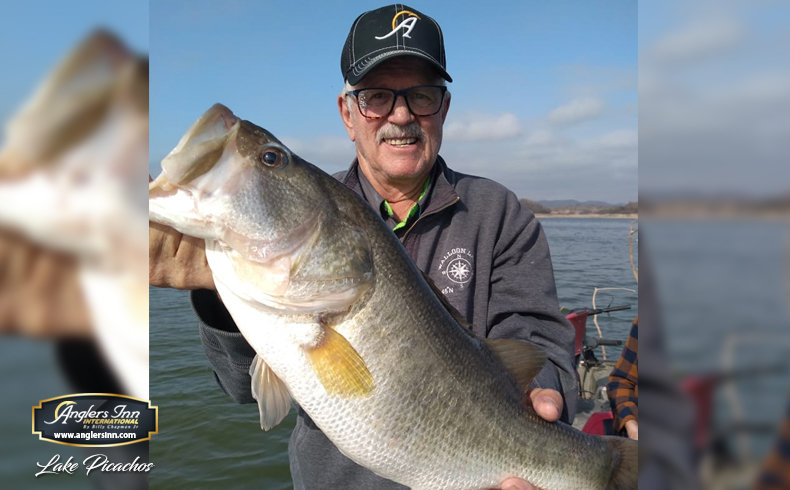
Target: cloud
x=576, y=111
x=330, y=153
x=713, y=107
x=611, y=150
x=541, y=138
x=699, y=40
x=724, y=136
x=480, y=127
x=626, y=139
x=550, y=164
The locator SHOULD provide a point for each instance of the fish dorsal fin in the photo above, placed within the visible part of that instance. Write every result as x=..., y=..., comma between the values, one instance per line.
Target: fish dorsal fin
x=274, y=399
x=339, y=366
x=522, y=360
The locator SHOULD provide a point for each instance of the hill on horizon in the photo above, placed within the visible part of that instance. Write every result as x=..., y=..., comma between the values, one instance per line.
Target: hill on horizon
x=568, y=203
x=574, y=207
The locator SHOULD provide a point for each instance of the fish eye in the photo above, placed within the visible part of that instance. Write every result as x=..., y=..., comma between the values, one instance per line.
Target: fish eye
x=272, y=157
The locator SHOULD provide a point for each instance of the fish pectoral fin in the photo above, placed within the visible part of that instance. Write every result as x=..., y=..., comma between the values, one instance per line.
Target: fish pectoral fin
x=524, y=361
x=339, y=366
x=274, y=399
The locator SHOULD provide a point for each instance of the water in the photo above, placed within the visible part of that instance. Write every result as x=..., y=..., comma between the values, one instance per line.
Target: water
x=723, y=287
x=30, y=374
x=589, y=253
x=206, y=440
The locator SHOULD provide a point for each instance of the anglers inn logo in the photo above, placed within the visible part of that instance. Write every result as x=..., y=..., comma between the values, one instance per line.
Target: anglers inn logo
x=407, y=24
x=95, y=419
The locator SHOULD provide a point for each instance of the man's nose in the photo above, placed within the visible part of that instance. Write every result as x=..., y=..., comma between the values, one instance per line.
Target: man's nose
x=400, y=112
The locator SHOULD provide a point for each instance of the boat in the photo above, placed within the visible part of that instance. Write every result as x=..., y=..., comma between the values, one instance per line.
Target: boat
x=593, y=411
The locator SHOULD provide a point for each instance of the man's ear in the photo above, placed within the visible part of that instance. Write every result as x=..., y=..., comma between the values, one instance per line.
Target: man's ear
x=345, y=114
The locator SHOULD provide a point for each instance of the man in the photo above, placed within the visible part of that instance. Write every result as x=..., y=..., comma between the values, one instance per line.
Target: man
x=484, y=250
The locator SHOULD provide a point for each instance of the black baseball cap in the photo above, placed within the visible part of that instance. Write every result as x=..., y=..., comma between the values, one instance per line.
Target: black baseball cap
x=387, y=32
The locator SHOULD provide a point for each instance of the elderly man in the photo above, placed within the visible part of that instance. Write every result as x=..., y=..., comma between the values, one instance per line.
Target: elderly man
x=485, y=251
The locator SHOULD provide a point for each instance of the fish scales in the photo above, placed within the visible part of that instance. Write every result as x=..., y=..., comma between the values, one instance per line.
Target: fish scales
x=431, y=406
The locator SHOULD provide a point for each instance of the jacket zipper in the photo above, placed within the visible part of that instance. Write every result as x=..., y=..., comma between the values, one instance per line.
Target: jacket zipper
x=435, y=211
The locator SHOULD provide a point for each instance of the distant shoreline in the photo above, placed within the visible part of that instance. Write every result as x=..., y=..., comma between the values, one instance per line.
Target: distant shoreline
x=589, y=215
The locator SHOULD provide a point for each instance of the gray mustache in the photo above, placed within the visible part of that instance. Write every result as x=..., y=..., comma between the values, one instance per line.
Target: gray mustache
x=412, y=130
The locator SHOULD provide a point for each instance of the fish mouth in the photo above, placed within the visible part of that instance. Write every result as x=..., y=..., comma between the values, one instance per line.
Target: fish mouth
x=215, y=123
x=198, y=150
x=195, y=155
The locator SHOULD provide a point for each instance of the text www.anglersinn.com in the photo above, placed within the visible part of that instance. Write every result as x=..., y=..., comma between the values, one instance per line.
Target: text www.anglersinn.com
x=94, y=435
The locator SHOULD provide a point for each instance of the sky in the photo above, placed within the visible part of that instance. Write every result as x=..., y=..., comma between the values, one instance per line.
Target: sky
x=37, y=34
x=544, y=98
x=562, y=99
x=714, y=93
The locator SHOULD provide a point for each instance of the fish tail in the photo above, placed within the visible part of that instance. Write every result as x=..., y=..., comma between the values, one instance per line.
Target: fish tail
x=625, y=463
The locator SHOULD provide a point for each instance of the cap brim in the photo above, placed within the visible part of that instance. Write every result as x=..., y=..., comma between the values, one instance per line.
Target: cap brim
x=355, y=75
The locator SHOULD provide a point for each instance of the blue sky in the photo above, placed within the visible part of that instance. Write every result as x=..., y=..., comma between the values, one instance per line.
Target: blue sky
x=544, y=97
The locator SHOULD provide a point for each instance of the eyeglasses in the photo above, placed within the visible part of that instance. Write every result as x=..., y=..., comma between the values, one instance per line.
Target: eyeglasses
x=422, y=100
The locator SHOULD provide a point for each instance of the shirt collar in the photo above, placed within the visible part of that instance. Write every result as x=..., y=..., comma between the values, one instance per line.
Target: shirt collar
x=377, y=202
x=440, y=194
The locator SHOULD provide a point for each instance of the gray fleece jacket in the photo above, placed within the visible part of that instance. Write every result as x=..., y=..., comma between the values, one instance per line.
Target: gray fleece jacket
x=488, y=255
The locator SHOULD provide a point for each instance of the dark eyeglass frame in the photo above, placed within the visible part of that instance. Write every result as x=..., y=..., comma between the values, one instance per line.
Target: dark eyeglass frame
x=404, y=92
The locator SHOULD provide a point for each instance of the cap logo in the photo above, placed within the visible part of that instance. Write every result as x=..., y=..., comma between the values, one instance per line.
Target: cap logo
x=407, y=24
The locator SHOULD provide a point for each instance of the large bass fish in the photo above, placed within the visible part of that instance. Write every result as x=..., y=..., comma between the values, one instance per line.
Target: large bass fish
x=345, y=325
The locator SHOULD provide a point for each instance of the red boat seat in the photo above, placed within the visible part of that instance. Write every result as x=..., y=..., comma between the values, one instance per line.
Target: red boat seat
x=599, y=424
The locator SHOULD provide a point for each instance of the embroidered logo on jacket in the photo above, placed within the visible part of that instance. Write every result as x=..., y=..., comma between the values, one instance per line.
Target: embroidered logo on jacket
x=457, y=266
x=407, y=24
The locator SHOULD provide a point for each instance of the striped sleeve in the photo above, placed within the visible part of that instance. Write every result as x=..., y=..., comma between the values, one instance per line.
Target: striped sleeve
x=775, y=472
x=623, y=388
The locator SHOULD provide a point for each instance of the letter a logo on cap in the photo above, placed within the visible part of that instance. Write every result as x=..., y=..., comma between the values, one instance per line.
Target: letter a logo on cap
x=407, y=24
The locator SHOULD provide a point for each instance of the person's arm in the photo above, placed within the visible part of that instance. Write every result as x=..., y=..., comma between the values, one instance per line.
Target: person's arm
x=775, y=470
x=40, y=292
x=622, y=388
x=179, y=261
x=524, y=306
x=226, y=349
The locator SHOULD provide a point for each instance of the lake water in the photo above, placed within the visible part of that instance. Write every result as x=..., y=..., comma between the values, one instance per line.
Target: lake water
x=723, y=289
x=207, y=441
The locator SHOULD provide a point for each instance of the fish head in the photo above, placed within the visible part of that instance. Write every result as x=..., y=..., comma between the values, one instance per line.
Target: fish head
x=233, y=179
x=273, y=216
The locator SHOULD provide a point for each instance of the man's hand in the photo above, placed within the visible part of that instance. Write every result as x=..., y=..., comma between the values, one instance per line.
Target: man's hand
x=548, y=404
x=40, y=292
x=517, y=484
x=175, y=260
x=632, y=429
